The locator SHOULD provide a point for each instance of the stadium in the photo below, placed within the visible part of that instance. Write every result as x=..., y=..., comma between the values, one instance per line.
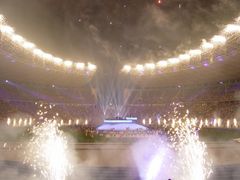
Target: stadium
x=120, y=90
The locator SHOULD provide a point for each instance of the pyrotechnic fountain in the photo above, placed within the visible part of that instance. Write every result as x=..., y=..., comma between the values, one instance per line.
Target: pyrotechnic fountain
x=179, y=154
x=48, y=151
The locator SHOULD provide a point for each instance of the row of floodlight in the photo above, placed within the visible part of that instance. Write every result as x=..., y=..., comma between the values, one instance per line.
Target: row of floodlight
x=8, y=33
x=230, y=30
x=207, y=47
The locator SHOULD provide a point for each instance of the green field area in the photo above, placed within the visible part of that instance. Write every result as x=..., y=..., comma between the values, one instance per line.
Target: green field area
x=214, y=134
x=23, y=134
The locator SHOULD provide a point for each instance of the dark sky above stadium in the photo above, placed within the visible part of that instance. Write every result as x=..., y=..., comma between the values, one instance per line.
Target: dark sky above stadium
x=118, y=30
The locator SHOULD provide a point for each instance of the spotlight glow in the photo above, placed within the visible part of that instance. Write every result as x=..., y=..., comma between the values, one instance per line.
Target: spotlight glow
x=232, y=28
x=173, y=61
x=7, y=30
x=80, y=66
x=68, y=64
x=162, y=64
x=17, y=39
x=28, y=45
x=206, y=45
x=38, y=53
x=2, y=19
x=47, y=56
x=127, y=68
x=150, y=66
x=218, y=40
x=57, y=61
x=195, y=52
x=139, y=68
x=91, y=67
x=184, y=57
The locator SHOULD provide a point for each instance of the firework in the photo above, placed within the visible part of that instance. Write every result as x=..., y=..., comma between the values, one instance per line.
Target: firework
x=182, y=152
x=192, y=159
x=47, y=152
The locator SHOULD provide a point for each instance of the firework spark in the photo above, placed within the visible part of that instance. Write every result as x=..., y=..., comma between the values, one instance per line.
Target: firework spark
x=181, y=155
x=48, y=152
x=192, y=158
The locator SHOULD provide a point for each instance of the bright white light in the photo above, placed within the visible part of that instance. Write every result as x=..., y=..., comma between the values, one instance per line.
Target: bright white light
x=232, y=28
x=2, y=19
x=139, y=68
x=118, y=121
x=38, y=52
x=18, y=39
x=206, y=45
x=173, y=61
x=68, y=64
x=80, y=66
x=219, y=40
x=162, y=64
x=48, y=152
x=184, y=57
x=235, y=123
x=149, y=121
x=195, y=52
x=127, y=68
x=6, y=29
x=91, y=67
x=8, y=121
x=155, y=165
x=28, y=45
x=237, y=19
x=57, y=61
x=47, y=56
x=150, y=66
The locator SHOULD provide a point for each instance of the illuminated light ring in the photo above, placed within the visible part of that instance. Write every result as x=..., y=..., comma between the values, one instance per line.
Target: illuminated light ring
x=8, y=32
x=229, y=32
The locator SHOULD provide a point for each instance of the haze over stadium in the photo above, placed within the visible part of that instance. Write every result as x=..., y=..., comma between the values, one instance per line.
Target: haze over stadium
x=140, y=89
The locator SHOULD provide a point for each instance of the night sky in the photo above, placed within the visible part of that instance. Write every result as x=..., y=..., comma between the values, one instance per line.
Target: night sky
x=103, y=31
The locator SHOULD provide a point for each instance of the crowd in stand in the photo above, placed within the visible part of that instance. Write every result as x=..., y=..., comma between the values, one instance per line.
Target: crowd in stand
x=218, y=101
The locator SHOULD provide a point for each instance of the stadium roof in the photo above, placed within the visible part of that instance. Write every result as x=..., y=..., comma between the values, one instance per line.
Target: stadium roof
x=218, y=72
x=124, y=32
x=30, y=74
